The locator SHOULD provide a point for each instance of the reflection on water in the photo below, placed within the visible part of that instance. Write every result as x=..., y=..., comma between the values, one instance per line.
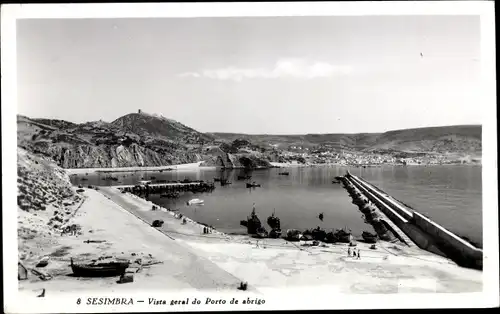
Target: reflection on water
x=450, y=195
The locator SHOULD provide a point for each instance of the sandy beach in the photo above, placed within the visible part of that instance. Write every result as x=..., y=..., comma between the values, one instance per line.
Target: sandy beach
x=191, y=260
x=179, y=167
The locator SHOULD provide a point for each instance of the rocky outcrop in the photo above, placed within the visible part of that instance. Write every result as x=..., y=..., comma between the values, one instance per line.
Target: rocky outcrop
x=104, y=156
x=236, y=161
x=135, y=140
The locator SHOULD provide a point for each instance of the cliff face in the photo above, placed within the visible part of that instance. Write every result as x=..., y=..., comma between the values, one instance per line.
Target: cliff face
x=236, y=161
x=112, y=156
x=98, y=144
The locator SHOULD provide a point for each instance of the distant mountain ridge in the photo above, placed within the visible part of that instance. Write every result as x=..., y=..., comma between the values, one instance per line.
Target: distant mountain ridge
x=456, y=138
x=141, y=139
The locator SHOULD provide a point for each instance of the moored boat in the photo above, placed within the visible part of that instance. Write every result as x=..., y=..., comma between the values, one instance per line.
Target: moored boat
x=369, y=237
x=286, y=173
x=195, y=201
x=343, y=236
x=253, y=185
x=293, y=235
x=275, y=233
x=261, y=232
x=244, y=177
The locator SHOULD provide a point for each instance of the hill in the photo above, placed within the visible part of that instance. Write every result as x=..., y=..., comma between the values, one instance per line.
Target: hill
x=133, y=140
x=145, y=124
x=458, y=138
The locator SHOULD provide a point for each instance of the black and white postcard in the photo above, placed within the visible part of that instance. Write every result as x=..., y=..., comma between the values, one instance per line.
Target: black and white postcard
x=249, y=156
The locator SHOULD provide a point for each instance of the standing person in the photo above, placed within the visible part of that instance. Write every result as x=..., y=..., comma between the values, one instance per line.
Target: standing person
x=253, y=210
x=349, y=252
x=353, y=252
x=359, y=257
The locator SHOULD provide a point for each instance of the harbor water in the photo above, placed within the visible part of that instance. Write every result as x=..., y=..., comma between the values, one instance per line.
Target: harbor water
x=450, y=195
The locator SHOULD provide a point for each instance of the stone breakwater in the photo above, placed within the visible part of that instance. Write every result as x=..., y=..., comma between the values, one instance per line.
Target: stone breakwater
x=415, y=227
x=371, y=213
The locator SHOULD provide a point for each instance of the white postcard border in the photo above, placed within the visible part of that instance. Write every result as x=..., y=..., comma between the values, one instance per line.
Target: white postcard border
x=306, y=298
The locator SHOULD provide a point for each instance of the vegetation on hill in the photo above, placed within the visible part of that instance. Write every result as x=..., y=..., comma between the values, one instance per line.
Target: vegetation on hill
x=141, y=139
x=458, y=138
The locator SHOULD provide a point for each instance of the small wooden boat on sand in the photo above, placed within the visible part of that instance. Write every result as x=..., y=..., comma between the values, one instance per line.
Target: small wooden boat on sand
x=261, y=233
x=369, y=237
x=275, y=233
x=293, y=235
x=100, y=269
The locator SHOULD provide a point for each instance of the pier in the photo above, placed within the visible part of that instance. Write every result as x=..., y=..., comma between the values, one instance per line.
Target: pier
x=415, y=228
x=152, y=188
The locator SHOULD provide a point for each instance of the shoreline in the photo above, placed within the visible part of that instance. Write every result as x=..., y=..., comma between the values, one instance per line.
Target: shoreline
x=221, y=261
x=179, y=167
x=198, y=166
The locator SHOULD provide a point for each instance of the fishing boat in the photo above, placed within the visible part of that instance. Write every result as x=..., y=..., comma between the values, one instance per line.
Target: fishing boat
x=170, y=195
x=100, y=269
x=275, y=233
x=224, y=182
x=293, y=235
x=307, y=236
x=318, y=234
x=369, y=237
x=273, y=222
x=253, y=185
x=284, y=173
x=244, y=177
x=261, y=232
x=343, y=236
x=330, y=238
x=195, y=201
x=217, y=179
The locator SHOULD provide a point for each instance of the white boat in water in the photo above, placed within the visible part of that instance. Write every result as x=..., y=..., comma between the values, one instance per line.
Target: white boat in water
x=195, y=201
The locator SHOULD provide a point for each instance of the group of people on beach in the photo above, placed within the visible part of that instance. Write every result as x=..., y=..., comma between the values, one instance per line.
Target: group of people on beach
x=357, y=256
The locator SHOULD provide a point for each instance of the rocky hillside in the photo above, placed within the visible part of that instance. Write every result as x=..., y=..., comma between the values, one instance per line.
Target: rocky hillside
x=46, y=202
x=134, y=140
x=160, y=127
x=459, y=138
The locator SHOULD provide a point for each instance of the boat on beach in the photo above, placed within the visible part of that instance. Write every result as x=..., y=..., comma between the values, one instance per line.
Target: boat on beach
x=261, y=232
x=293, y=235
x=369, y=237
x=99, y=269
x=343, y=236
x=275, y=233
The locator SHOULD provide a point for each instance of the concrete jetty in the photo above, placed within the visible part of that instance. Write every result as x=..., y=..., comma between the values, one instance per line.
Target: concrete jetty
x=422, y=231
x=165, y=185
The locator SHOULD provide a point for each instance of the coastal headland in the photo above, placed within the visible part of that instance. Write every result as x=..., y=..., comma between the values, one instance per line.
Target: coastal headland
x=180, y=256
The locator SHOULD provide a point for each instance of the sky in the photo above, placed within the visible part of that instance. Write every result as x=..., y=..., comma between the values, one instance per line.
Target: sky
x=255, y=75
